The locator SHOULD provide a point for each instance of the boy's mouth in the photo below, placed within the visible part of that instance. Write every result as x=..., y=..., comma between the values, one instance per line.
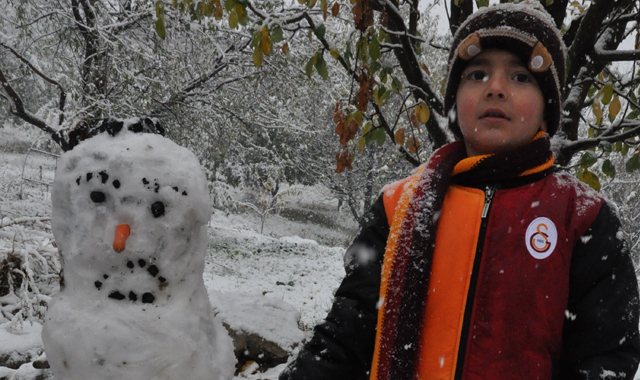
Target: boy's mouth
x=494, y=113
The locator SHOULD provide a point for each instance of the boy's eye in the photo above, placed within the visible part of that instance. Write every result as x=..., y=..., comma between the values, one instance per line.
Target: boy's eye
x=522, y=78
x=477, y=75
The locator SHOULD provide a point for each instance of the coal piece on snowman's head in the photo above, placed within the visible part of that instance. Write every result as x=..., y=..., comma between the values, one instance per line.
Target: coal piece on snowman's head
x=116, y=295
x=98, y=196
x=85, y=129
x=148, y=298
x=157, y=209
x=153, y=270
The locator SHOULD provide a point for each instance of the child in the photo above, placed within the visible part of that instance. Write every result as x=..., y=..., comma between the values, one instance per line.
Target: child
x=485, y=264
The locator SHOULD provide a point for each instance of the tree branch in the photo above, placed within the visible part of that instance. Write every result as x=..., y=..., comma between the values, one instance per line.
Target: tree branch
x=63, y=94
x=571, y=148
x=615, y=55
x=383, y=123
x=459, y=14
x=410, y=65
x=27, y=116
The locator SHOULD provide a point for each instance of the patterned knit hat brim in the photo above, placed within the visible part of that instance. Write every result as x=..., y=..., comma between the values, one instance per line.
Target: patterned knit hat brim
x=526, y=30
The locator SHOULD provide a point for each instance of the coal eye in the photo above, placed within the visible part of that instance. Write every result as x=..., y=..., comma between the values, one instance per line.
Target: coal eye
x=157, y=209
x=98, y=196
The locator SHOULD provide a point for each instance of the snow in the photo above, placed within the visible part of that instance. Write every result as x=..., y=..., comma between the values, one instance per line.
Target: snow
x=17, y=344
x=267, y=317
x=297, y=271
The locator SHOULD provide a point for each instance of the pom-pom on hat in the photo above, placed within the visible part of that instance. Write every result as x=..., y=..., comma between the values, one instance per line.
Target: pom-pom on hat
x=525, y=29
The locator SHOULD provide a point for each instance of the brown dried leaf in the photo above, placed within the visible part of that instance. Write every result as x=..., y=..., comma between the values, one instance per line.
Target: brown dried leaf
x=337, y=113
x=399, y=137
x=285, y=48
x=362, y=15
x=413, y=145
x=365, y=92
x=344, y=160
x=335, y=9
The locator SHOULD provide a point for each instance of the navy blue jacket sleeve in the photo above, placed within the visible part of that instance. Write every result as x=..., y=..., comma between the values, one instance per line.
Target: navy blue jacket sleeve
x=600, y=333
x=342, y=345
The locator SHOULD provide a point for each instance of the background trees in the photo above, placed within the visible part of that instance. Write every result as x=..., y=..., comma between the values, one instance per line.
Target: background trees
x=293, y=91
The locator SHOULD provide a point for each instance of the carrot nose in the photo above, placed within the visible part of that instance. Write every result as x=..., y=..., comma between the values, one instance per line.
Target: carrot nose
x=120, y=240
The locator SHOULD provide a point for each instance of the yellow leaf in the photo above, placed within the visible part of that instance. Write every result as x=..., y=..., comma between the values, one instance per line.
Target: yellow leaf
x=360, y=144
x=413, y=145
x=589, y=178
x=241, y=12
x=257, y=57
x=233, y=20
x=399, y=136
x=415, y=117
x=423, y=112
x=425, y=68
x=247, y=365
x=597, y=111
x=334, y=53
x=265, y=43
x=614, y=108
x=607, y=93
x=285, y=48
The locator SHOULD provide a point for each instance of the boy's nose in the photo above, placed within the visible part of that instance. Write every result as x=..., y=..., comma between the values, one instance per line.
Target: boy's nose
x=495, y=87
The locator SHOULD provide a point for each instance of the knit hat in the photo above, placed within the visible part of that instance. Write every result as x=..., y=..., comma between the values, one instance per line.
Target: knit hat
x=525, y=29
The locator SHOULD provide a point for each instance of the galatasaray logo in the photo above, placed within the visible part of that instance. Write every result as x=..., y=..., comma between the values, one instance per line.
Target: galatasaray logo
x=541, y=238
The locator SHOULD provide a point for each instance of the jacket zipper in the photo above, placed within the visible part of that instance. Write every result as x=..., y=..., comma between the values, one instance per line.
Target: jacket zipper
x=489, y=192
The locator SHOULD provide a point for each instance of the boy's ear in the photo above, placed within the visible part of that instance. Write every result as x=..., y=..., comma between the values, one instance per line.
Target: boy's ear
x=543, y=126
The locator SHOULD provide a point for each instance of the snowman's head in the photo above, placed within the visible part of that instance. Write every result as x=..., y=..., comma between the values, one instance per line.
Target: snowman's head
x=130, y=197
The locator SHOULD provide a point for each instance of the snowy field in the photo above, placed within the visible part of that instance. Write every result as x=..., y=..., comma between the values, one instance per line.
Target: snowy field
x=286, y=275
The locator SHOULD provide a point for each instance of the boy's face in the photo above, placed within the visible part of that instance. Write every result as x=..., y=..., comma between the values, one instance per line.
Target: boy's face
x=500, y=106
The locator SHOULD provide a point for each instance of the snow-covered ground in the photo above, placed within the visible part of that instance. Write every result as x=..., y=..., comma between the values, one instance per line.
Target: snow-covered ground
x=284, y=272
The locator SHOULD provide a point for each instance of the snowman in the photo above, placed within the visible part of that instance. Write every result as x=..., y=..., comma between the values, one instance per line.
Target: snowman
x=129, y=219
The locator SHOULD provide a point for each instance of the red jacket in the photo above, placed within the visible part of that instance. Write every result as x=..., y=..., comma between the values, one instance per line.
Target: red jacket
x=541, y=287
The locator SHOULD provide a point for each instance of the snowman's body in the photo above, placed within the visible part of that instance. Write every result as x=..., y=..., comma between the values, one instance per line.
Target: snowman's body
x=139, y=311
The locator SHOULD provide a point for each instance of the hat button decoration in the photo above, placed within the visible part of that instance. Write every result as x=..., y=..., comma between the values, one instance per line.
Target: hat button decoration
x=540, y=59
x=470, y=47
